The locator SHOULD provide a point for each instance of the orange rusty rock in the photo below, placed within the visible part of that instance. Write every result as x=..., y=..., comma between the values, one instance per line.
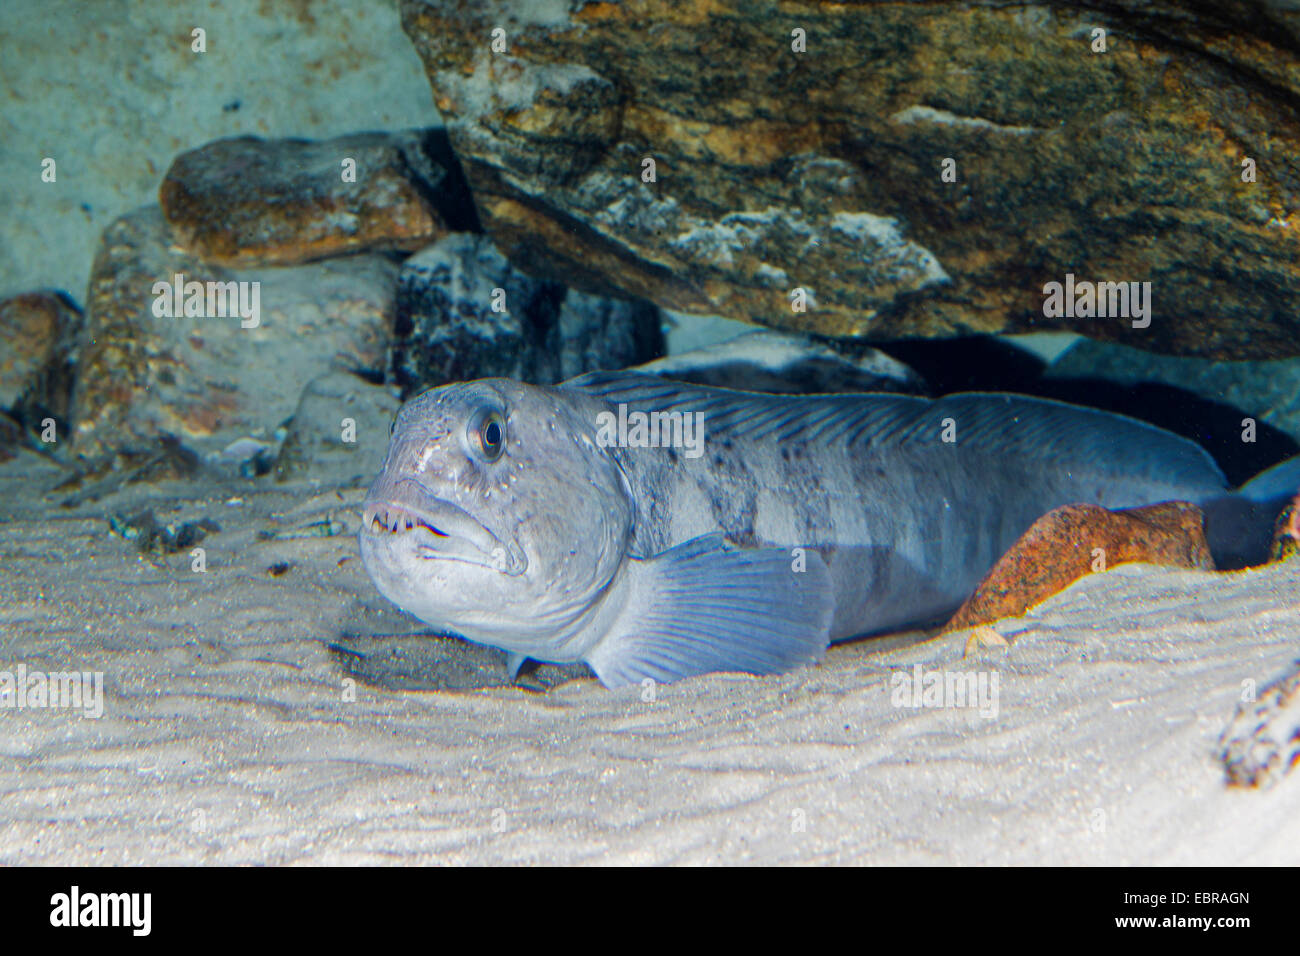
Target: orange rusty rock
x=1074, y=540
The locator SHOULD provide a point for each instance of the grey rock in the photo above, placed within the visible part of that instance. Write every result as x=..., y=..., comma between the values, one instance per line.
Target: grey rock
x=781, y=363
x=339, y=433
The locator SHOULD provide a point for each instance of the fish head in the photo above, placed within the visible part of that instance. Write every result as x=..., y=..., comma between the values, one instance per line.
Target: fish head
x=497, y=516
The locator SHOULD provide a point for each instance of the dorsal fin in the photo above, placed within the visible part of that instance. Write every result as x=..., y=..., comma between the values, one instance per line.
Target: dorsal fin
x=753, y=416
x=1008, y=424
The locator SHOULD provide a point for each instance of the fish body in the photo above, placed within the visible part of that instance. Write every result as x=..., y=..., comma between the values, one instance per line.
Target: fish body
x=536, y=520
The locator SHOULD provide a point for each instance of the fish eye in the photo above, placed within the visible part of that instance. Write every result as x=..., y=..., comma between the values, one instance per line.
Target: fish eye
x=487, y=434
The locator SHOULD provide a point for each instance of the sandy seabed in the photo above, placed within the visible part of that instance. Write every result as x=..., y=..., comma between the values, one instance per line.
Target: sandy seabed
x=298, y=718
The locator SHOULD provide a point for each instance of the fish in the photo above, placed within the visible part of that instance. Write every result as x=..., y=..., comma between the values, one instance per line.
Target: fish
x=658, y=530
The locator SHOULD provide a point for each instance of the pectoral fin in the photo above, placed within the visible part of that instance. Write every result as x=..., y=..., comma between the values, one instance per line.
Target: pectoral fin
x=513, y=664
x=705, y=606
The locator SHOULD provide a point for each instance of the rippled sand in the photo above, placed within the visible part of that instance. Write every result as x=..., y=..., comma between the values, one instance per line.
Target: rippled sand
x=229, y=734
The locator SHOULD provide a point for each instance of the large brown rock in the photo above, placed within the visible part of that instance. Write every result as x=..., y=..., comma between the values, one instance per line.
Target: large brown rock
x=821, y=170
x=247, y=201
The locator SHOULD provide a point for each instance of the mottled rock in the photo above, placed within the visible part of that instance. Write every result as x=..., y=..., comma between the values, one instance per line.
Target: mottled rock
x=822, y=170
x=339, y=432
x=38, y=332
x=1261, y=744
x=208, y=379
x=786, y=364
x=1286, y=532
x=1074, y=540
x=543, y=332
x=249, y=202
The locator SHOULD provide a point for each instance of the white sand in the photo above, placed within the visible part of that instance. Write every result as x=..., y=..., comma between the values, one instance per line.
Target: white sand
x=225, y=738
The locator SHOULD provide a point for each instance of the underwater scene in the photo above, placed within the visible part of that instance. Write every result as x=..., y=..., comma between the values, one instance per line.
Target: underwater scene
x=708, y=432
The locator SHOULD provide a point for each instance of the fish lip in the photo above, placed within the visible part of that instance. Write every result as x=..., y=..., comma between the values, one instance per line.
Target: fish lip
x=444, y=528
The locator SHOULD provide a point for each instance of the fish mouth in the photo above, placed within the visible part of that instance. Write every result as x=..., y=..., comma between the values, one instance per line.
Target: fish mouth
x=440, y=530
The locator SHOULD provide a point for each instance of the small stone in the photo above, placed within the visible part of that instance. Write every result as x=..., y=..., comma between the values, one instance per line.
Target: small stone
x=208, y=379
x=983, y=638
x=339, y=432
x=1075, y=540
x=154, y=538
x=253, y=202
x=463, y=312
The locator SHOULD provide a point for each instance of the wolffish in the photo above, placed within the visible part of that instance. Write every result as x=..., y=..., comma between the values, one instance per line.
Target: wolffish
x=505, y=514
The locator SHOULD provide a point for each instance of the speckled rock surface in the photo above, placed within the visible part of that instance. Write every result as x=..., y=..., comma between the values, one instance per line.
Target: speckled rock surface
x=248, y=201
x=821, y=170
x=207, y=379
x=1286, y=532
x=449, y=330
x=1075, y=540
x=38, y=332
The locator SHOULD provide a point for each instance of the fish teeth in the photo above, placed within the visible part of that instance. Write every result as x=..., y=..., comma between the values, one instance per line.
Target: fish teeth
x=396, y=520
